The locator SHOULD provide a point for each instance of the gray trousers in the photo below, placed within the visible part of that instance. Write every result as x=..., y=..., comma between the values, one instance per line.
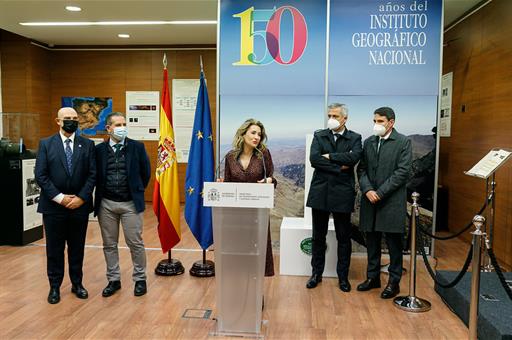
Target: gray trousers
x=109, y=216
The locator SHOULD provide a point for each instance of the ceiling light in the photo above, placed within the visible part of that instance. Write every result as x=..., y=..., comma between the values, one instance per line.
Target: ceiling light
x=122, y=35
x=119, y=23
x=73, y=8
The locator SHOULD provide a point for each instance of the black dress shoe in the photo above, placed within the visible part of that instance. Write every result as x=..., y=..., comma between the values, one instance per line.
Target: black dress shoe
x=369, y=284
x=54, y=296
x=111, y=288
x=140, y=288
x=313, y=281
x=79, y=291
x=345, y=285
x=391, y=290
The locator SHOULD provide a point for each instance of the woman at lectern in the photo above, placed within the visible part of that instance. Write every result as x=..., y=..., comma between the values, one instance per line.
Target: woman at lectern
x=250, y=161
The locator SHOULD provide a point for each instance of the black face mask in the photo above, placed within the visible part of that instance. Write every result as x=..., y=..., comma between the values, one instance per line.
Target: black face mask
x=69, y=125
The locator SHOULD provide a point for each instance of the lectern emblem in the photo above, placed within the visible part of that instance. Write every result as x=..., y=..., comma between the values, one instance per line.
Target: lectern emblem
x=213, y=195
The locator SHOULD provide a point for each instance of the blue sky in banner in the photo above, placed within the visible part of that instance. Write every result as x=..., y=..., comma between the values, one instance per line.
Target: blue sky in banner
x=356, y=62
x=414, y=114
x=304, y=77
x=286, y=118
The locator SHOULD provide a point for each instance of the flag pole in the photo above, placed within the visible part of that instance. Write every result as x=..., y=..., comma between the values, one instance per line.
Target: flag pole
x=169, y=266
x=204, y=268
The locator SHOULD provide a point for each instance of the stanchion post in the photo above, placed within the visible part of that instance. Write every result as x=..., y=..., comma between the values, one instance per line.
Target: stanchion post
x=478, y=234
x=491, y=188
x=411, y=302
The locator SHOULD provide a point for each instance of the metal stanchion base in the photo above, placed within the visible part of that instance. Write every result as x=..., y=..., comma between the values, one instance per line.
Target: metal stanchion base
x=203, y=269
x=169, y=268
x=411, y=304
x=488, y=268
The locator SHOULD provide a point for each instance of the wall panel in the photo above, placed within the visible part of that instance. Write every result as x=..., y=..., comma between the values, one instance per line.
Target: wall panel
x=479, y=53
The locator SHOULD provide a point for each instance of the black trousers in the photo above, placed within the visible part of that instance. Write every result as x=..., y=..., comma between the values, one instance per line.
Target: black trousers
x=62, y=229
x=343, y=230
x=374, y=249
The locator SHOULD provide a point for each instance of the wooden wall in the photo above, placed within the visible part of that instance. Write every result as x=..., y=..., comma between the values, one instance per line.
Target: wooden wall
x=25, y=89
x=34, y=80
x=112, y=73
x=479, y=53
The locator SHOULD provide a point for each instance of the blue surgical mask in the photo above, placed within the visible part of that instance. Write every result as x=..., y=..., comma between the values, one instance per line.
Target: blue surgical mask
x=120, y=132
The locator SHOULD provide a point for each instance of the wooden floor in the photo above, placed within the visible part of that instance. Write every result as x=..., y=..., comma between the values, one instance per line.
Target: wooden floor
x=292, y=311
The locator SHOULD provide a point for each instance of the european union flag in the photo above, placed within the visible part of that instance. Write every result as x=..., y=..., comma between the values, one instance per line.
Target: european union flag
x=200, y=169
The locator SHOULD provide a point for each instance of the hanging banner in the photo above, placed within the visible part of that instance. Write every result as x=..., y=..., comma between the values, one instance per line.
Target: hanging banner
x=384, y=47
x=272, y=68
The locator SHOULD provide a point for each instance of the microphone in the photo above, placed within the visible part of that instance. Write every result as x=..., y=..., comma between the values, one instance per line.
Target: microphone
x=264, y=166
x=217, y=169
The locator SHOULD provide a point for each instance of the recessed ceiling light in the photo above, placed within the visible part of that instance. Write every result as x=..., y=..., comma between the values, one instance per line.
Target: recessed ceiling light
x=118, y=23
x=73, y=8
x=122, y=35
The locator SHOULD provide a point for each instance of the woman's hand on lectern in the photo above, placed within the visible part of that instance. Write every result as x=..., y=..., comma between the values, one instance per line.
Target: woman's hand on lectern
x=220, y=179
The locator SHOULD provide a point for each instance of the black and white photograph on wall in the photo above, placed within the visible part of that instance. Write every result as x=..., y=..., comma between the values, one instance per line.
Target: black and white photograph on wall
x=31, y=192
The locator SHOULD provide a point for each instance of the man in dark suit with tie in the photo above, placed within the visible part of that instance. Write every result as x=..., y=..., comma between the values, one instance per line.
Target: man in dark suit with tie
x=335, y=152
x=66, y=172
x=383, y=173
x=123, y=174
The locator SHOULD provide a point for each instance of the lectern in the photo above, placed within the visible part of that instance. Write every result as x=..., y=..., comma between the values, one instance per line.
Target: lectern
x=240, y=222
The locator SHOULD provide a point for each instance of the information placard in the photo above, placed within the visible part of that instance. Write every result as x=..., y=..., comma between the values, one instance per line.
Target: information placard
x=489, y=164
x=30, y=196
x=143, y=114
x=184, y=101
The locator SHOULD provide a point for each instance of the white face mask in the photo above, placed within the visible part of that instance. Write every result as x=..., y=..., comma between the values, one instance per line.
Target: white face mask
x=120, y=132
x=333, y=124
x=379, y=130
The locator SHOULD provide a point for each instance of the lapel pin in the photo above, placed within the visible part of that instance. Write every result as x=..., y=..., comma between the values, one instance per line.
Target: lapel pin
x=79, y=145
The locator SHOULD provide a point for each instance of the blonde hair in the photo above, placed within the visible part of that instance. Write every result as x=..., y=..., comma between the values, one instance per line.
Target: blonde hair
x=238, y=140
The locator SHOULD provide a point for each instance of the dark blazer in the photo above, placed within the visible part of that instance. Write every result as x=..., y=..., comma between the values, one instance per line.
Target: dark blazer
x=332, y=189
x=137, y=166
x=53, y=177
x=386, y=173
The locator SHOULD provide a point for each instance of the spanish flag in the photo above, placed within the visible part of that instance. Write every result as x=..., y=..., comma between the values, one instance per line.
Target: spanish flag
x=166, y=195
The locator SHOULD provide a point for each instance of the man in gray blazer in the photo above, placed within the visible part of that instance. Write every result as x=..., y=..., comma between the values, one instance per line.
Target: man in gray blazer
x=383, y=173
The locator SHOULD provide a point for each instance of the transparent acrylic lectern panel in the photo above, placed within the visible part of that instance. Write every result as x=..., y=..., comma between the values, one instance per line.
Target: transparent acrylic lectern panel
x=240, y=236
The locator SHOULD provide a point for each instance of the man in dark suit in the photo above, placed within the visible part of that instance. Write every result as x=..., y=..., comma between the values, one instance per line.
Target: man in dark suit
x=123, y=174
x=66, y=172
x=334, y=153
x=383, y=173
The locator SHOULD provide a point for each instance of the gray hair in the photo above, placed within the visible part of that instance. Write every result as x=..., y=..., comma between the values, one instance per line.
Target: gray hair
x=343, y=107
x=108, y=120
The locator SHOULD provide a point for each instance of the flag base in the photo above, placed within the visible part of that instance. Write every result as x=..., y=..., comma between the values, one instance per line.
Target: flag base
x=203, y=269
x=169, y=267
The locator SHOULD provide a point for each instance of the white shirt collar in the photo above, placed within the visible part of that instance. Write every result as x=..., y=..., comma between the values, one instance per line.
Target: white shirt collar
x=387, y=135
x=112, y=142
x=63, y=138
x=339, y=133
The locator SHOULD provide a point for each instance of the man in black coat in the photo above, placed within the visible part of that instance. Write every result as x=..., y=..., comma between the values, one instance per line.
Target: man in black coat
x=383, y=173
x=334, y=153
x=66, y=172
x=123, y=174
